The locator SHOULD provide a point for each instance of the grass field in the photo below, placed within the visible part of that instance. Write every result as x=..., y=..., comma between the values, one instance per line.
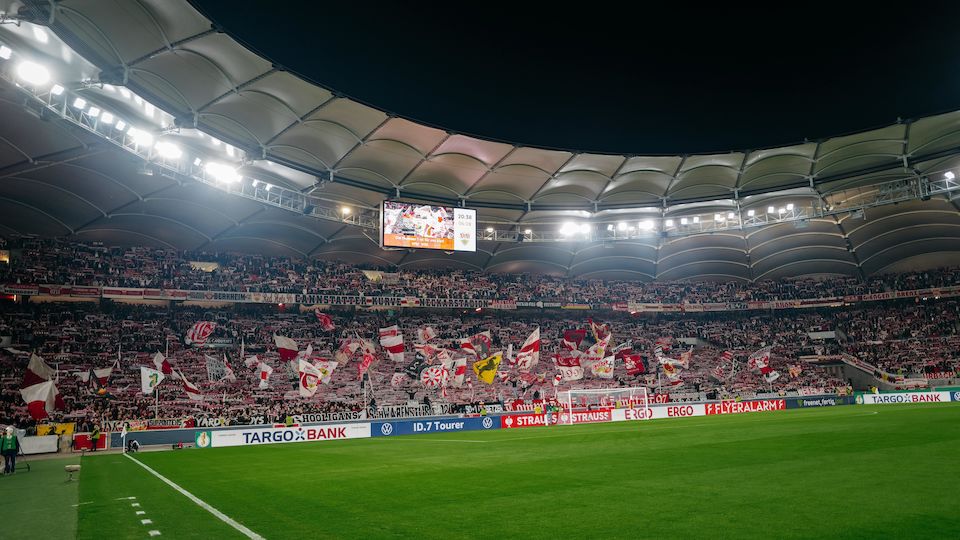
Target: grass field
x=844, y=472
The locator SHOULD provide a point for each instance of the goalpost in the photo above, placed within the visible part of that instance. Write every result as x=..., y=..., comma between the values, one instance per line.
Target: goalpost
x=585, y=400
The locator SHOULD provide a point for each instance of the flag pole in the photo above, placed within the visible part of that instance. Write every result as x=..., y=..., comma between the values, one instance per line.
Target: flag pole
x=156, y=407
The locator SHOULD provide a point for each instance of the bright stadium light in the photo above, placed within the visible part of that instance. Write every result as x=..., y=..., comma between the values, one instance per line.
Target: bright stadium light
x=527, y=232
x=222, y=172
x=696, y=219
x=751, y=213
x=168, y=150
x=731, y=215
x=269, y=187
x=646, y=225
x=121, y=125
x=489, y=229
x=255, y=183
x=683, y=221
x=718, y=218
x=345, y=210
x=93, y=112
x=621, y=226
x=124, y=92
x=949, y=175
x=771, y=209
x=106, y=118
x=40, y=34
x=781, y=210
x=141, y=137
x=5, y=52
x=610, y=227
x=567, y=228
x=669, y=223
x=33, y=73
x=56, y=90
x=79, y=103
x=790, y=207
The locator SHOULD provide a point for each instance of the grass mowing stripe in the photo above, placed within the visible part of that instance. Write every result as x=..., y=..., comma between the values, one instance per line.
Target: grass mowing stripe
x=219, y=515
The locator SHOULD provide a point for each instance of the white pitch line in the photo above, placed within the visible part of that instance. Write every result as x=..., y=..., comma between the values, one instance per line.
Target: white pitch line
x=154, y=533
x=196, y=500
x=146, y=521
x=81, y=504
x=139, y=513
x=135, y=505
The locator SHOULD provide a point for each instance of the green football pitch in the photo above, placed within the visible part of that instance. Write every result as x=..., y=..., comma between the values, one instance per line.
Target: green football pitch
x=845, y=472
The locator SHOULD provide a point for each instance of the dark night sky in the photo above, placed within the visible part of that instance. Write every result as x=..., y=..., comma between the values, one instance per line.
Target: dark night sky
x=688, y=79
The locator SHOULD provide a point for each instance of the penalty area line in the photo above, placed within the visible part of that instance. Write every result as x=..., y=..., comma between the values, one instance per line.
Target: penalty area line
x=218, y=514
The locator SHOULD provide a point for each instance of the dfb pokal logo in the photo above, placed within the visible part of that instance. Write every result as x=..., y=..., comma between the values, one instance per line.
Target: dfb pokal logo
x=386, y=429
x=487, y=422
x=859, y=400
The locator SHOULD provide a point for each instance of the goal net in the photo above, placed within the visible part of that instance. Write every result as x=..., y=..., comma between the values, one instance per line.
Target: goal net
x=577, y=404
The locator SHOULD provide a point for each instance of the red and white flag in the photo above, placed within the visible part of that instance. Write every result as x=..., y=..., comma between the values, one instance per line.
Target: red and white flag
x=393, y=345
x=599, y=331
x=42, y=399
x=347, y=349
x=478, y=344
x=433, y=376
x=199, y=332
x=458, y=370
x=398, y=379
x=573, y=338
x=389, y=331
x=326, y=368
x=569, y=367
x=760, y=361
x=264, y=370
x=326, y=322
x=529, y=354
x=193, y=393
x=557, y=379
x=218, y=370
x=685, y=358
x=603, y=368
x=364, y=365
x=162, y=364
x=102, y=375
x=665, y=343
x=634, y=364
x=286, y=347
x=252, y=362
x=719, y=373
x=37, y=372
x=309, y=378
x=425, y=334
x=671, y=370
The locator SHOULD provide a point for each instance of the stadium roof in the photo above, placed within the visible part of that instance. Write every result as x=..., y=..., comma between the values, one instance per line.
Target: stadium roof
x=216, y=99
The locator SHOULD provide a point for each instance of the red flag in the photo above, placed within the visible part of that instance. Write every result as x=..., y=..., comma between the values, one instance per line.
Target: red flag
x=326, y=322
x=529, y=353
x=163, y=366
x=573, y=338
x=393, y=344
x=425, y=334
x=478, y=344
x=389, y=331
x=37, y=372
x=364, y=365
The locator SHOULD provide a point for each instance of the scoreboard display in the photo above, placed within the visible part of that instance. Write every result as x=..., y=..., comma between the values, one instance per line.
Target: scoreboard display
x=408, y=225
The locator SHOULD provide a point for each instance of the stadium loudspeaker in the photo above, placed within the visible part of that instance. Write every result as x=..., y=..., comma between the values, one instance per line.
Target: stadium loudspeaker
x=308, y=208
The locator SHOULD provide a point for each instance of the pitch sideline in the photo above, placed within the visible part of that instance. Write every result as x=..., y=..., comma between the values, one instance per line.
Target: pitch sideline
x=218, y=514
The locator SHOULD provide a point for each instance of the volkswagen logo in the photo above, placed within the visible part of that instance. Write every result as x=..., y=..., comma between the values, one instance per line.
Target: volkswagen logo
x=487, y=422
x=386, y=429
x=956, y=396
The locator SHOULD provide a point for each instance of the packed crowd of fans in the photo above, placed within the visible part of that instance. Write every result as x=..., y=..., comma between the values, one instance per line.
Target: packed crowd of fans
x=908, y=337
x=60, y=262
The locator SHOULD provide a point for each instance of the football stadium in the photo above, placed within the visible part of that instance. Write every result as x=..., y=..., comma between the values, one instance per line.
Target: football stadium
x=239, y=303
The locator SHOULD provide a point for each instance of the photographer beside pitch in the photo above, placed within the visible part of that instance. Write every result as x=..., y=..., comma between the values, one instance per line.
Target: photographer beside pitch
x=9, y=447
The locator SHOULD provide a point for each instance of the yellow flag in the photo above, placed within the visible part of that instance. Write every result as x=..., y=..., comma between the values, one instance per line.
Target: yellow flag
x=486, y=369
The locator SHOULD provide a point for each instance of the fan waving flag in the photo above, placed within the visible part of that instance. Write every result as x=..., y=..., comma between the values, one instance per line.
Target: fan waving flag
x=486, y=369
x=199, y=333
x=218, y=370
x=41, y=399
x=326, y=368
x=389, y=331
x=326, y=322
x=286, y=347
x=425, y=334
x=685, y=358
x=568, y=366
x=478, y=344
x=433, y=376
x=573, y=338
x=603, y=368
x=529, y=354
x=99, y=376
x=393, y=345
x=37, y=372
x=193, y=393
x=760, y=361
x=264, y=372
x=364, y=365
x=162, y=364
x=309, y=378
x=671, y=371
x=149, y=379
x=634, y=364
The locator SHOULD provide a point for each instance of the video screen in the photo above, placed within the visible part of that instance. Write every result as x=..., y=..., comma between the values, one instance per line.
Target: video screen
x=408, y=225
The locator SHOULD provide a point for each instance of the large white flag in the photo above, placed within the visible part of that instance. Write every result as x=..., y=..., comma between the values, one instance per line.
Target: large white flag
x=149, y=379
x=529, y=354
x=265, y=371
x=310, y=377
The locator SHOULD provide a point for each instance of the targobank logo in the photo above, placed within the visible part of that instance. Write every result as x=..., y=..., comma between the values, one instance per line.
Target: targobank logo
x=274, y=436
x=487, y=422
x=386, y=428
